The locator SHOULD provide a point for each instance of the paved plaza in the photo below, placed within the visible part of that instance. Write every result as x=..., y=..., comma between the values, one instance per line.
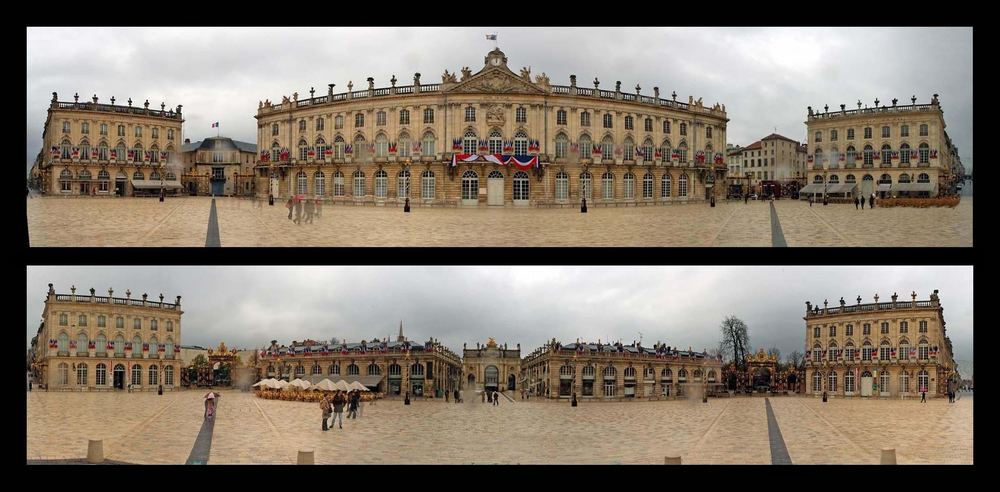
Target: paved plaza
x=183, y=221
x=147, y=428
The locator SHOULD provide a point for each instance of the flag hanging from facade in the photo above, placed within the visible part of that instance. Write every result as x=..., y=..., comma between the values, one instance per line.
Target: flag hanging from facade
x=215, y=125
x=491, y=37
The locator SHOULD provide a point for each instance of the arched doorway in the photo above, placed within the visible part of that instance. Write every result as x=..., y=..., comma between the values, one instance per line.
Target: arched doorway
x=867, y=185
x=472, y=380
x=762, y=379
x=866, y=383
x=494, y=188
x=119, y=376
x=492, y=378
x=511, y=382
x=792, y=380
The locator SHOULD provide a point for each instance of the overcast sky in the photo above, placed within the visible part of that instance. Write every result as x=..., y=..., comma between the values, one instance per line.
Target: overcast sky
x=680, y=306
x=765, y=76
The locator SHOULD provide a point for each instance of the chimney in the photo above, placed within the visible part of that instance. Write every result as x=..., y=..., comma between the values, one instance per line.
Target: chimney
x=187, y=140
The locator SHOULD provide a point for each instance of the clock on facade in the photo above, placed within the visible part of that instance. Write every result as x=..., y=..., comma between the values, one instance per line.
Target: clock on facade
x=495, y=62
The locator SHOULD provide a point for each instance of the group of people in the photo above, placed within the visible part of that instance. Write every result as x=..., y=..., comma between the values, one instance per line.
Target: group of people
x=859, y=201
x=306, y=395
x=313, y=208
x=333, y=405
x=491, y=397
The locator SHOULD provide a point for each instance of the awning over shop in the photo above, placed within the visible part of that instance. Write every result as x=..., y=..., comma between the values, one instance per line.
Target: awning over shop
x=884, y=186
x=842, y=188
x=149, y=183
x=812, y=188
x=365, y=380
x=913, y=187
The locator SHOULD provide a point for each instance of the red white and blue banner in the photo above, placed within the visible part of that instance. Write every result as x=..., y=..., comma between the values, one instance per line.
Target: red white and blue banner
x=522, y=162
x=934, y=154
x=55, y=151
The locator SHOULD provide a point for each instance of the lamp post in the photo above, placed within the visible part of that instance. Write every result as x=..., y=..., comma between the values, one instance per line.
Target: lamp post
x=161, y=181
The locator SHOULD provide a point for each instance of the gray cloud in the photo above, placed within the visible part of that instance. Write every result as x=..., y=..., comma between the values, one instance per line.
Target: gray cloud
x=765, y=76
x=683, y=306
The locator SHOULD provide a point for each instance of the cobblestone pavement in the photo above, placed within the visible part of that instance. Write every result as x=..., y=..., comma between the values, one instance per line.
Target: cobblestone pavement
x=146, y=428
x=182, y=221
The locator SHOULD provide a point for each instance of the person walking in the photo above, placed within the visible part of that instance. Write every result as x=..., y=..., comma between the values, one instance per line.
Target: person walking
x=324, y=405
x=496, y=398
x=319, y=207
x=923, y=395
x=361, y=405
x=298, y=212
x=456, y=396
x=289, y=205
x=810, y=200
x=338, y=409
x=352, y=409
x=746, y=198
x=484, y=396
x=310, y=210
x=871, y=201
x=855, y=203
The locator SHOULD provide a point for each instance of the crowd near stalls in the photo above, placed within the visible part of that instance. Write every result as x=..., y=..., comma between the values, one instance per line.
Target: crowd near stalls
x=615, y=371
x=301, y=390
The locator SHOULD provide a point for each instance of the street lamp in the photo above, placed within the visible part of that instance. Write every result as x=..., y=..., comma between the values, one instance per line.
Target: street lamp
x=161, y=181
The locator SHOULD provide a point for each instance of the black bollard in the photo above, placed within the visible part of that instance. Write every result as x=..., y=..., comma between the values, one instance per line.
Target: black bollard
x=406, y=401
x=713, y=200
x=159, y=391
x=704, y=398
x=824, y=397
x=270, y=200
x=574, y=399
x=583, y=206
x=161, y=195
x=406, y=206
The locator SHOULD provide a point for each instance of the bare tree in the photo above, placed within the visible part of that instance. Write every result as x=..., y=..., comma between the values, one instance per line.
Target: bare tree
x=794, y=359
x=775, y=351
x=735, y=342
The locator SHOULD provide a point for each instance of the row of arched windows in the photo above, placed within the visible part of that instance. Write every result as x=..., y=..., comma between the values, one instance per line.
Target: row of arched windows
x=373, y=369
x=885, y=178
x=610, y=372
x=101, y=343
x=886, y=155
x=885, y=351
x=359, y=121
x=851, y=384
x=101, y=374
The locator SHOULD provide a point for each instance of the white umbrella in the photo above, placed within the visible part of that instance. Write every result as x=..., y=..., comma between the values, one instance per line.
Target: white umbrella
x=281, y=384
x=304, y=384
x=342, y=385
x=358, y=386
x=325, y=385
x=261, y=383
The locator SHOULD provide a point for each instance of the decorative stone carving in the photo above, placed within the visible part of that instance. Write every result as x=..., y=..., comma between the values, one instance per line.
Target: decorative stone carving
x=466, y=73
x=542, y=79
x=495, y=115
x=285, y=100
x=499, y=82
x=526, y=73
x=448, y=77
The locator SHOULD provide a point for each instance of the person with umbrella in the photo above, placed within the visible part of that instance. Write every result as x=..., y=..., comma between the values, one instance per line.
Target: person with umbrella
x=210, y=401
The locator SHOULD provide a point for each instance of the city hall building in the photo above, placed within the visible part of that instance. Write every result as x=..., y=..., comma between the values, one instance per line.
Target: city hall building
x=615, y=371
x=392, y=367
x=96, y=342
x=892, y=151
x=94, y=149
x=493, y=137
x=491, y=367
x=219, y=166
x=891, y=349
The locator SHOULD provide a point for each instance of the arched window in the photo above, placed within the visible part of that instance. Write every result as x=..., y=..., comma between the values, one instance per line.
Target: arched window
x=647, y=150
x=427, y=191
x=404, y=117
x=818, y=155
x=65, y=147
x=520, y=143
x=275, y=152
x=868, y=156
x=629, y=188
x=101, y=344
x=319, y=184
x=470, y=185
x=81, y=343
x=608, y=375
x=883, y=382
x=682, y=185
x=353, y=370
x=428, y=116
x=849, y=382
x=850, y=156
x=153, y=373
x=562, y=146
x=360, y=146
x=904, y=350
x=697, y=375
x=683, y=150
x=395, y=370
x=333, y=369
x=154, y=175
x=665, y=185
x=359, y=183
x=496, y=142
x=470, y=142
x=102, y=151
x=922, y=380
x=417, y=370
x=607, y=148
x=381, y=145
x=169, y=348
x=834, y=179
x=168, y=376
x=119, y=346
x=85, y=150
x=137, y=153
x=338, y=147
x=831, y=354
x=101, y=375
x=81, y=374
x=885, y=179
x=886, y=155
x=585, y=185
x=850, y=179
x=403, y=183
x=831, y=381
x=427, y=146
x=374, y=369
x=607, y=120
x=301, y=182
x=137, y=375
x=925, y=153
x=584, y=119
x=300, y=370
x=120, y=153
x=320, y=148
x=103, y=178
x=904, y=154
x=904, y=382
x=63, y=374
x=904, y=178
x=866, y=350
x=562, y=186
x=63, y=343
x=381, y=183
x=470, y=114
x=608, y=186
x=586, y=147
x=817, y=382
x=403, y=149
x=629, y=149
x=923, y=350
x=682, y=375
x=923, y=178
x=338, y=184
x=521, y=186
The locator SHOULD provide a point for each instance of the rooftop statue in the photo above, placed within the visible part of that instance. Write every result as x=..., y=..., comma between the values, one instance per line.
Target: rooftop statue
x=448, y=77
x=526, y=73
x=466, y=73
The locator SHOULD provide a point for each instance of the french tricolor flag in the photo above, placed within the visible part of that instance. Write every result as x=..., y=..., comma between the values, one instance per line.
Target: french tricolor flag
x=215, y=125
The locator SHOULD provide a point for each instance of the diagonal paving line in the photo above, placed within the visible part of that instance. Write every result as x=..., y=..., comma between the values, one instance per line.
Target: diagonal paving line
x=779, y=453
x=135, y=428
x=834, y=229
x=704, y=436
x=841, y=434
x=724, y=224
x=160, y=223
x=270, y=424
x=777, y=237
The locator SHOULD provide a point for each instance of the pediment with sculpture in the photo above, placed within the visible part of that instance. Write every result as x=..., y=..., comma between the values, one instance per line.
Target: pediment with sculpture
x=496, y=80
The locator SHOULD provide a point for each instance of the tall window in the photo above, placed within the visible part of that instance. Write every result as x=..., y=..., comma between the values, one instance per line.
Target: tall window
x=359, y=120
x=666, y=126
x=319, y=124
x=629, y=149
x=866, y=329
x=496, y=142
x=303, y=152
x=608, y=186
x=684, y=152
x=168, y=376
x=470, y=114
x=866, y=351
x=562, y=146
x=101, y=375
x=684, y=129
x=338, y=147
x=338, y=122
x=885, y=132
x=607, y=148
x=849, y=330
x=302, y=125
x=359, y=183
x=521, y=186
x=301, y=183
x=470, y=185
x=104, y=129
x=925, y=153
x=922, y=327
x=428, y=144
x=629, y=191
x=380, y=118
x=833, y=135
x=850, y=134
x=520, y=143
x=381, y=146
x=833, y=330
x=338, y=184
x=469, y=143
x=137, y=375
x=883, y=382
x=904, y=154
x=427, y=191
x=884, y=351
x=404, y=145
x=923, y=350
x=884, y=327
x=403, y=183
x=868, y=155
x=647, y=186
x=562, y=184
x=849, y=382
x=319, y=183
x=561, y=117
x=817, y=382
x=682, y=185
x=81, y=374
x=521, y=115
x=628, y=123
x=708, y=133
x=121, y=130
x=665, y=186
x=153, y=373
x=831, y=381
x=428, y=116
x=886, y=155
x=404, y=117
x=904, y=131
x=584, y=119
x=102, y=151
x=923, y=130
x=138, y=131
x=607, y=120
x=904, y=382
x=585, y=185
x=648, y=125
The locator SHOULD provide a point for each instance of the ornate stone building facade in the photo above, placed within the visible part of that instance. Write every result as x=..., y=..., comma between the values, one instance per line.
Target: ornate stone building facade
x=391, y=367
x=492, y=367
x=887, y=150
x=889, y=349
x=94, y=149
x=219, y=166
x=605, y=371
x=492, y=137
x=103, y=343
